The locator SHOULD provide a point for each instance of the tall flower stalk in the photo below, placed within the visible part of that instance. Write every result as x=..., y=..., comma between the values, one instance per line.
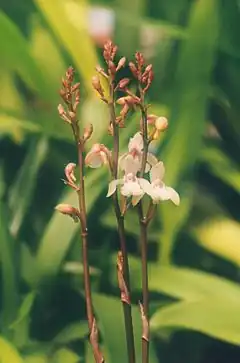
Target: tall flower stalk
x=135, y=174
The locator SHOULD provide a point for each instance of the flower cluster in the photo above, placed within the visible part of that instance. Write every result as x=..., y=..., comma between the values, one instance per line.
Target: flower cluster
x=130, y=163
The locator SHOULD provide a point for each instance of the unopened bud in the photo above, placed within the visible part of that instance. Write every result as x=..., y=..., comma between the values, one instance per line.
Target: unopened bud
x=87, y=132
x=121, y=63
x=68, y=210
x=133, y=69
x=72, y=115
x=151, y=119
x=69, y=172
x=161, y=123
x=61, y=110
x=123, y=83
x=139, y=59
x=97, y=85
x=112, y=68
x=75, y=87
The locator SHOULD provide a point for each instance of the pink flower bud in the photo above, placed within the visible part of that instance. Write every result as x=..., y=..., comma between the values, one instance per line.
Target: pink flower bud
x=161, y=123
x=68, y=210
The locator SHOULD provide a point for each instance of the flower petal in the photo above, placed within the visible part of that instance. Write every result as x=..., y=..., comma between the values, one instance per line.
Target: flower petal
x=122, y=161
x=157, y=171
x=173, y=195
x=136, y=142
x=113, y=186
x=93, y=160
x=131, y=188
x=131, y=165
x=146, y=186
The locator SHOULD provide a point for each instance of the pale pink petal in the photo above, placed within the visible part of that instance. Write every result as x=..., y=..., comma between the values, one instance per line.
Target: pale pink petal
x=136, y=142
x=151, y=159
x=131, y=165
x=113, y=186
x=122, y=161
x=157, y=171
x=146, y=186
x=173, y=195
x=131, y=188
x=93, y=160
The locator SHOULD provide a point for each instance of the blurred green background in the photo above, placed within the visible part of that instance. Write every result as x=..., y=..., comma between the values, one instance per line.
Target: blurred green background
x=194, y=250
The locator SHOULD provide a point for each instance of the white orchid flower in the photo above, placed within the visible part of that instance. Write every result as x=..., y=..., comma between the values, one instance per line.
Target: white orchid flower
x=135, y=148
x=157, y=190
x=130, y=186
x=97, y=156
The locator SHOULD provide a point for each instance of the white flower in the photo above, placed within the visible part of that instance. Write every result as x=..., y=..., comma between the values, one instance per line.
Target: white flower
x=157, y=190
x=130, y=186
x=97, y=156
x=135, y=148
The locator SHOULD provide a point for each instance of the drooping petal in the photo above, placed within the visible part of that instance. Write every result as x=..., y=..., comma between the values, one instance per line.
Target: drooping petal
x=113, y=186
x=136, y=142
x=151, y=161
x=173, y=195
x=94, y=160
x=157, y=171
x=146, y=186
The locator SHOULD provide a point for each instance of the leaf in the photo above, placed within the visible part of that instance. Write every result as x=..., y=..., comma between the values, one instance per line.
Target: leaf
x=8, y=353
x=109, y=312
x=220, y=237
x=20, y=195
x=8, y=269
x=222, y=166
x=13, y=126
x=189, y=101
x=74, y=331
x=191, y=89
x=219, y=319
x=73, y=34
x=25, y=308
x=15, y=54
x=181, y=283
x=64, y=355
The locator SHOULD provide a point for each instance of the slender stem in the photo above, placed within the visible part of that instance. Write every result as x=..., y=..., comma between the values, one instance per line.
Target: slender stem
x=143, y=241
x=84, y=237
x=127, y=311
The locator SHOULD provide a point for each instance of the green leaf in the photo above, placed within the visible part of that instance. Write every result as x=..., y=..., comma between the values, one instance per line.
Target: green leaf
x=74, y=331
x=222, y=167
x=221, y=237
x=68, y=21
x=22, y=190
x=8, y=353
x=191, y=89
x=111, y=323
x=14, y=126
x=8, y=269
x=181, y=283
x=189, y=103
x=219, y=319
x=25, y=308
x=15, y=55
x=64, y=355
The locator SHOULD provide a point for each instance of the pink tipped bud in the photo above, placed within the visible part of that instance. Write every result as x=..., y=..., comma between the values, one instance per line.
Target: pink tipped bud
x=123, y=83
x=69, y=172
x=61, y=110
x=68, y=210
x=161, y=123
x=121, y=63
x=133, y=69
x=112, y=68
x=87, y=132
x=97, y=85
x=152, y=119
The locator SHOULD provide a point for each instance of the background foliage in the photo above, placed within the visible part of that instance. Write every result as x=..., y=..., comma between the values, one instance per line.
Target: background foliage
x=194, y=249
